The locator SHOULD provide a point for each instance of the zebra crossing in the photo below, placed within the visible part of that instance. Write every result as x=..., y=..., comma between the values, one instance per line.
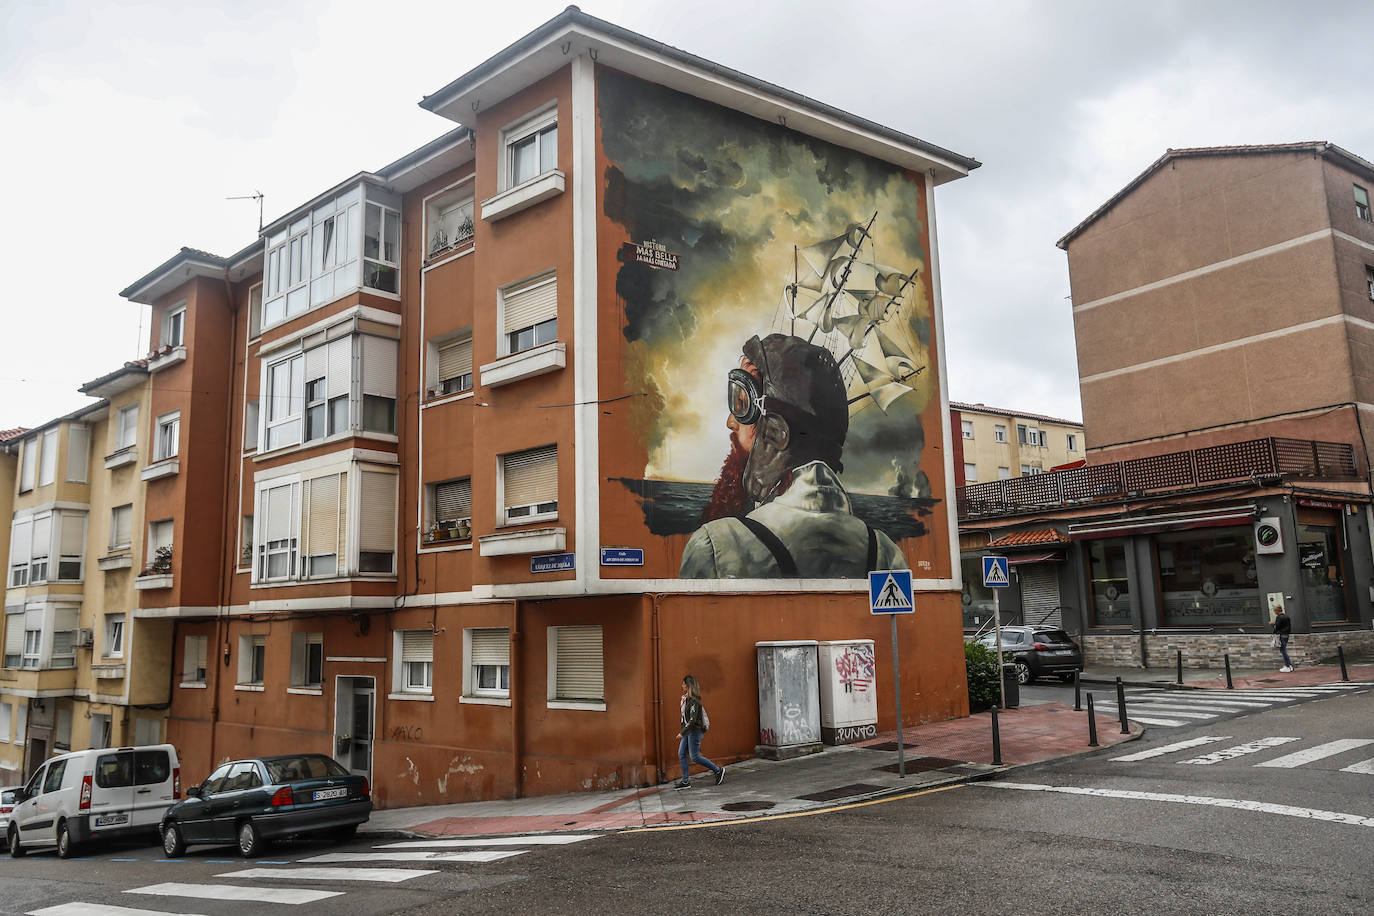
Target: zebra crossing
x=1174, y=708
x=333, y=873
x=1202, y=751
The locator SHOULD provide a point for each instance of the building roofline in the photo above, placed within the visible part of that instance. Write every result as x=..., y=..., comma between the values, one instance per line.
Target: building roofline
x=1322, y=148
x=193, y=261
x=998, y=411
x=572, y=21
x=119, y=380
x=81, y=412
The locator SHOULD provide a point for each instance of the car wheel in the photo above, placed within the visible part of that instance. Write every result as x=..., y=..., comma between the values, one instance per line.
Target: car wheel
x=16, y=848
x=173, y=843
x=250, y=841
x=343, y=834
x=65, y=846
x=1023, y=673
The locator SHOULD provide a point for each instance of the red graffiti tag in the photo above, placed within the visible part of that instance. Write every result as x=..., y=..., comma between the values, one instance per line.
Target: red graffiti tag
x=856, y=668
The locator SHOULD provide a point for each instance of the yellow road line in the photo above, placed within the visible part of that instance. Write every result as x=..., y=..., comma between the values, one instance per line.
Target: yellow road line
x=779, y=817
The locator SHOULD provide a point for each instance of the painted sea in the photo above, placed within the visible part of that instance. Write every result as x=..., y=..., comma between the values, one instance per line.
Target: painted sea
x=675, y=506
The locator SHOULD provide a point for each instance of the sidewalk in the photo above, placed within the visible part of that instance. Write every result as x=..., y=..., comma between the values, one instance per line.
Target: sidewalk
x=941, y=753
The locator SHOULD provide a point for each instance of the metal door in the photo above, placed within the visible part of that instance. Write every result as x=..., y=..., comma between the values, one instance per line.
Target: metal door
x=1040, y=595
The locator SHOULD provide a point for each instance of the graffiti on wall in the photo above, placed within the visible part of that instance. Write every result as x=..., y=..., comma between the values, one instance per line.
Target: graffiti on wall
x=777, y=316
x=855, y=668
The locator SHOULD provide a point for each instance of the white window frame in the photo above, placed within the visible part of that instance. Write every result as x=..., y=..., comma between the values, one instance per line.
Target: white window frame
x=290, y=546
x=1071, y=442
x=168, y=434
x=116, y=542
x=384, y=242
x=155, y=540
x=554, y=701
x=47, y=458
x=6, y=713
x=78, y=453
x=1003, y=473
x=999, y=433
x=432, y=520
x=126, y=430
x=503, y=343
x=303, y=646
x=513, y=134
x=112, y=640
x=967, y=428
x=970, y=472
x=249, y=644
x=1369, y=279
x=174, y=326
x=196, y=653
x=438, y=386
x=472, y=689
x=444, y=220
x=1362, y=210
x=536, y=514
x=414, y=677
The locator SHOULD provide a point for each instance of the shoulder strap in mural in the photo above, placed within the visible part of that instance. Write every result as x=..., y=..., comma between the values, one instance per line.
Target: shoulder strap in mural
x=872, y=548
x=786, y=565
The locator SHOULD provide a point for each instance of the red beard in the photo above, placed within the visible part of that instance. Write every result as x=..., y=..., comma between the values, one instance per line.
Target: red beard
x=728, y=499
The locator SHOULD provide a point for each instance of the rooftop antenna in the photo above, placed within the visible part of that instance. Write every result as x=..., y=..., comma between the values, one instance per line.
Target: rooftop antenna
x=256, y=195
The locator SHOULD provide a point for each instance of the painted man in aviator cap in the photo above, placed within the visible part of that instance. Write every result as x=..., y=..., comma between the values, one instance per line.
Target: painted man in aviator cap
x=779, y=509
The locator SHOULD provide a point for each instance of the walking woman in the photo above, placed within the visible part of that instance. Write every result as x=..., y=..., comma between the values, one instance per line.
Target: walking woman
x=694, y=725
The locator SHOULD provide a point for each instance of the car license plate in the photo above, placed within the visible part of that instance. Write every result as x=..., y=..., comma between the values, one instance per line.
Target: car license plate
x=322, y=794
x=111, y=820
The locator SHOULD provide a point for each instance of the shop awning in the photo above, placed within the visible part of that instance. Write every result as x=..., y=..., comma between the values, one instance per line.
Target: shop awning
x=1054, y=556
x=1118, y=528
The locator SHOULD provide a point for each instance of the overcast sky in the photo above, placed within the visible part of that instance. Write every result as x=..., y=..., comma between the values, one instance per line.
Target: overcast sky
x=127, y=125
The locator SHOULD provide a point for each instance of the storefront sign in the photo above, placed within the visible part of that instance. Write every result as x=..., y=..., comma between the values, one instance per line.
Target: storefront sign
x=650, y=252
x=1320, y=504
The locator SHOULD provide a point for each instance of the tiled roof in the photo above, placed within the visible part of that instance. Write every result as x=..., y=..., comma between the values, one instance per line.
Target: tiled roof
x=983, y=408
x=15, y=433
x=1029, y=538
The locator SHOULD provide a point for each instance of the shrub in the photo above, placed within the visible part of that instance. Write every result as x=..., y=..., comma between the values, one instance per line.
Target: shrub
x=984, y=677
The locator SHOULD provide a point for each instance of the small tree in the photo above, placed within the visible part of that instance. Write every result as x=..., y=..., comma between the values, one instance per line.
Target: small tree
x=984, y=677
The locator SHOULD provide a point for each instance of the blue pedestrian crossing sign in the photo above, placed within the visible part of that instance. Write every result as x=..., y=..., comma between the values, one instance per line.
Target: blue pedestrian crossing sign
x=889, y=592
x=995, y=572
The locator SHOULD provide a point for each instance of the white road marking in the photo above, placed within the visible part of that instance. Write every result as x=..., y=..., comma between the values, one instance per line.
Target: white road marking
x=95, y=909
x=291, y=895
x=416, y=856
x=1147, y=720
x=1240, y=804
x=1208, y=702
x=1170, y=748
x=1178, y=712
x=1308, y=755
x=1364, y=766
x=391, y=875
x=551, y=839
x=1240, y=750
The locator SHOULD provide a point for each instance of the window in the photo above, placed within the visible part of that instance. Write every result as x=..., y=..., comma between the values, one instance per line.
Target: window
x=21, y=535
x=454, y=360
x=32, y=540
x=377, y=523
x=33, y=645
x=288, y=259
x=1022, y=435
x=577, y=672
x=147, y=731
x=309, y=262
x=449, y=221
x=1071, y=442
x=252, y=660
x=126, y=428
x=1028, y=470
x=529, y=315
x=1362, y=203
x=121, y=522
x=1207, y=577
x=326, y=513
x=168, y=441
x=113, y=646
x=14, y=636
x=1041, y=438
x=999, y=433
x=529, y=485
x=970, y=473
x=47, y=468
x=159, y=537
x=279, y=507
x=174, y=327
x=488, y=665
x=310, y=392
x=100, y=738
x=285, y=401
x=193, y=668
x=1369, y=280
x=450, y=510
x=251, y=419
x=5, y=713
x=78, y=452
x=381, y=248
x=531, y=148
x=968, y=428
x=416, y=652
x=52, y=781
x=28, y=464
x=307, y=659
x=246, y=543
x=1004, y=473
x=301, y=528
x=379, y=384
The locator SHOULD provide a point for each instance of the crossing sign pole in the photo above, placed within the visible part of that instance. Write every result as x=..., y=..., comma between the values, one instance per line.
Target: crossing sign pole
x=890, y=593
x=996, y=578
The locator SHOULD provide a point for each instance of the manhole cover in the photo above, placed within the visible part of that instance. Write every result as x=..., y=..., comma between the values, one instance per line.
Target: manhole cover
x=924, y=764
x=748, y=806
x=858, y=788
x=885, y=746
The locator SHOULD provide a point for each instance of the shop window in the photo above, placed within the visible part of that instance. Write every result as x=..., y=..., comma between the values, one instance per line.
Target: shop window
x=1109, y=583
x=1323, y=584
x=1207, y=577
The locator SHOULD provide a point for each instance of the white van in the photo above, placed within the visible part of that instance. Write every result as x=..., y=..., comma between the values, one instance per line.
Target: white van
x=95, y=794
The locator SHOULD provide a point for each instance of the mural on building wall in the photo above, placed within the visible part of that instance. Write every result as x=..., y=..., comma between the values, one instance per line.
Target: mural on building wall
x=776, y=316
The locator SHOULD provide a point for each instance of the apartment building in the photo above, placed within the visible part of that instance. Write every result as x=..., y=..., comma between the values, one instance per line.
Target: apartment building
x=462, y=521
x=996, y=444
x=1223, y=303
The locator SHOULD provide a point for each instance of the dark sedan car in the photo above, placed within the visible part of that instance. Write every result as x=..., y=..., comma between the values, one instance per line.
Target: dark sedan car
x=1037, y=652
x=251, y=802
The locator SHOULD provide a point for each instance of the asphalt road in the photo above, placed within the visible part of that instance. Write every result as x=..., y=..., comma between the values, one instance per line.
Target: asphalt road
x=1270, y=812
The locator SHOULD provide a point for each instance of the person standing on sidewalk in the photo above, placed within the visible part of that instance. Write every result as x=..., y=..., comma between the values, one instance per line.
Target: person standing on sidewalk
x=1283, y=628
x=694, y=725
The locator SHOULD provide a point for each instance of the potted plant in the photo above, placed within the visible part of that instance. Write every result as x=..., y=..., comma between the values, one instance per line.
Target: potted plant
x=162, y=561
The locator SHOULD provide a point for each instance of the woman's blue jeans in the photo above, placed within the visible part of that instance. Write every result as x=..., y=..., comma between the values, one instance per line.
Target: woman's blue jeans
x=689, y=749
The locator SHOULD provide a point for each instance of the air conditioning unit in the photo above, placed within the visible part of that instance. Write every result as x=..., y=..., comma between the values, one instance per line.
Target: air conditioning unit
x=85, y=638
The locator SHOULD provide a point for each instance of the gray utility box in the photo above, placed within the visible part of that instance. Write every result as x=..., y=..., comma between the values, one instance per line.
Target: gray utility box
x=789, y=699
x=849, y=691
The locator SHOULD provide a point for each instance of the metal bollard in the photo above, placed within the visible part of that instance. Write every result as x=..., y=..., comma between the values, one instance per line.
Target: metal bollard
x=1121, y=706
x=1340, y=652
x=1180, y=667
x=996, y=740
x=1077, y=693
x=1227, y=659
x=1092, y=723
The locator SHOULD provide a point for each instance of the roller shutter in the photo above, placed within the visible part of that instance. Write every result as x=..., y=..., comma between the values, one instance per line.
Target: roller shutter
x=580, y=672
x=526, y=306
x=1040, y=595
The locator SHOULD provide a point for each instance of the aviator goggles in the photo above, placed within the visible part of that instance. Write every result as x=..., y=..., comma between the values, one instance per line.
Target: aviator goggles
x=744, y=397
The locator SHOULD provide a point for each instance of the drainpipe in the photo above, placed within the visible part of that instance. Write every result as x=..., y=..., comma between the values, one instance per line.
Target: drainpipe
x=656, y=677
x=224, y=579
x=517, y=749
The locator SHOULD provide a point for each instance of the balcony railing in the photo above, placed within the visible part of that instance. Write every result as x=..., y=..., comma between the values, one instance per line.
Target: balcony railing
x=1173, y=471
